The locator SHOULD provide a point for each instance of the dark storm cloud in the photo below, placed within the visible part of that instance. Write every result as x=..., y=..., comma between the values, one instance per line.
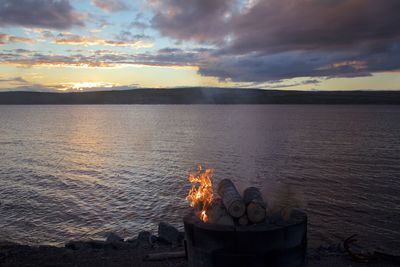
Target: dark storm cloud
x=260, y=67
x=56, y=14
x=275, y=67
x=276, y=25
x=198, y=20
x=278, y=39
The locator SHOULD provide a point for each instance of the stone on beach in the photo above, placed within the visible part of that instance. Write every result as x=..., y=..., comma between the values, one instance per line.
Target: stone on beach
x=168, y=233
x=143, y=240
x=112, y=237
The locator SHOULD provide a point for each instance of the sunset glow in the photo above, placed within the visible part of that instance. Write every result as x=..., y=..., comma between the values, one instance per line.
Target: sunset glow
x=94, y=45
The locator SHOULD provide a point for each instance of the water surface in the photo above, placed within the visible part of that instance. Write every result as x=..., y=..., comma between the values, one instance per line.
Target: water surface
x=72, y=172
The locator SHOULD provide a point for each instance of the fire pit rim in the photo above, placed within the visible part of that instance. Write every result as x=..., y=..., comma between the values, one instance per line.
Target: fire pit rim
x=297, y=218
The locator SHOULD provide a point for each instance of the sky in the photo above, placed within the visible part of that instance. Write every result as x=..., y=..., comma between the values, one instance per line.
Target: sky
x=83, y=45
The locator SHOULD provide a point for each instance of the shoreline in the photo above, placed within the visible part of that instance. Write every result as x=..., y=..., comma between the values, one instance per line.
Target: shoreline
x=202, y=95
x=117, y=251
x=102, y=253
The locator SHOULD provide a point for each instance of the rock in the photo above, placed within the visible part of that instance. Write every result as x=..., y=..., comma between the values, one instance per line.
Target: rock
x=153, y=239
x=144, y=239
x=144, y=236
x=181, y=236
x=131, y=241
x=168, y=233
x=111, y=237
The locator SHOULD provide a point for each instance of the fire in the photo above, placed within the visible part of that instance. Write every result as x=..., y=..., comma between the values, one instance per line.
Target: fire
x=200, y=195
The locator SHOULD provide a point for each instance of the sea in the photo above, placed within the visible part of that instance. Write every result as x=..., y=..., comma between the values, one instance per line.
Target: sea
x=71, y=172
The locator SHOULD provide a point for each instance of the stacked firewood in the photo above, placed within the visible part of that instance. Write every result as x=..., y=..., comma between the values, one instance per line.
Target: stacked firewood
x=233, y=209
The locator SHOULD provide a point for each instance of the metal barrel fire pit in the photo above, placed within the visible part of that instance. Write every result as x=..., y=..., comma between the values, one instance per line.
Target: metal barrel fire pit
x=282, y=243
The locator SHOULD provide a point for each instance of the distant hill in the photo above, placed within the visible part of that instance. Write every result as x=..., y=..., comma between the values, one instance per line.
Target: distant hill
x=203, y=96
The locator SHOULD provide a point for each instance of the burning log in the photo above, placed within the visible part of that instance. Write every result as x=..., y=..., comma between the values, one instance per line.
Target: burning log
x=243, y=220
x=216, y=211
x=217, y=214
x=231, y=198
x=255, y=205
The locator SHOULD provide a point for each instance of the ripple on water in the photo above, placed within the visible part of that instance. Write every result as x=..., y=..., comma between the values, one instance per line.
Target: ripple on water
x=71, y=172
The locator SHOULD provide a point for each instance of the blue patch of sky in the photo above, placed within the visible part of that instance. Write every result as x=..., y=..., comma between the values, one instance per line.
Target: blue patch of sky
x=95, y=18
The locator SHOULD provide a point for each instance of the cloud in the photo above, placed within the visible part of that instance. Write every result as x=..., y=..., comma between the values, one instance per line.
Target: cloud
x=269, y=40
x=292, y=64
x=94, y=86
x=17, y=80
x=279, y=25
x=35, y=87
x=139, y=22
x=55, y=14
x=6, y=38
x=198, y=20
x=110, y=5
x=280, y=84
x=34, y=58
x=258, y=67
x=286, y=25
x=102, y=58
x=70, y=87
x=124, y=39
x=171, y=57
x=248, y=68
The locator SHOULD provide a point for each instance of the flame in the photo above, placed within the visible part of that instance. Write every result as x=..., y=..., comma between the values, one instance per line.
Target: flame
x=200, y=195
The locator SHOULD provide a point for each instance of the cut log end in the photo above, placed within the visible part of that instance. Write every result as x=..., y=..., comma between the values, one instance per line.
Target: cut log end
x=252, y=194
x=231, y=198
x=256, y=212
x=237, y=209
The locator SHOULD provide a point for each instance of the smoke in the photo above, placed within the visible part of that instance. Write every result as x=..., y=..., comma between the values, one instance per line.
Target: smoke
x=282, y=199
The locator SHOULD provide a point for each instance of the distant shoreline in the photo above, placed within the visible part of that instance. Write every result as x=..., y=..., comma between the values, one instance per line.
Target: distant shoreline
x=201, y=95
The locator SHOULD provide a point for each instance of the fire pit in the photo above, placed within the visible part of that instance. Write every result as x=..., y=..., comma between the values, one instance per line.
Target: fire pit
x=236, y=231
